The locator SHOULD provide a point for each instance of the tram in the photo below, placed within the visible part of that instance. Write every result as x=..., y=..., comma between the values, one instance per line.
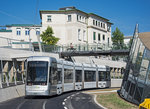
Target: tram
x=48, y=76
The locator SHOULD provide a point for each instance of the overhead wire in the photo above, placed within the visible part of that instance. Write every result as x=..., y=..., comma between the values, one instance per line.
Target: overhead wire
x=5, y=13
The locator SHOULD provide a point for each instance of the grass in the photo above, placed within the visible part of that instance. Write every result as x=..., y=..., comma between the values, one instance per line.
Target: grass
x=113, y=101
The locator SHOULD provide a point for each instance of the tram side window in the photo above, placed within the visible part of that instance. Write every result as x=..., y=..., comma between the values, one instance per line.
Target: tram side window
x=53, y=74
x=78, y=74
x=108, y=76
x=68, y=75
x=89, y=76
x=102, y=76
x=59, y=76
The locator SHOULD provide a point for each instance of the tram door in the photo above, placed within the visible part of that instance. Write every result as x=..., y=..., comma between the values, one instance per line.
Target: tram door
x=53, y=77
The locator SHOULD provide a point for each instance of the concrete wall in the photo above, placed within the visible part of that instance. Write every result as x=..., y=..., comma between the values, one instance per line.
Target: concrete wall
x=18, y=91
x=12, y=92
x=116, y=82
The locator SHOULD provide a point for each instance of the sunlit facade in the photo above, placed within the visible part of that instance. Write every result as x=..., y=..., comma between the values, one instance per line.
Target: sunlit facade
x=136, y=83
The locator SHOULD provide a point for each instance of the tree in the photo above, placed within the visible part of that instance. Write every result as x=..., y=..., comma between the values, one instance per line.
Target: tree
x=48, y=38
x=118, y=42
x=118, y=39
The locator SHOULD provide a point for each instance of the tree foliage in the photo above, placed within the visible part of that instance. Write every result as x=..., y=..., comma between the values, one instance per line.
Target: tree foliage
x=118, y=39
x=48, y=38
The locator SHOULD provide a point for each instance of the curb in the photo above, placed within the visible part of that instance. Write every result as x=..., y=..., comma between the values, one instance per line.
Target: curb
x=98, y=103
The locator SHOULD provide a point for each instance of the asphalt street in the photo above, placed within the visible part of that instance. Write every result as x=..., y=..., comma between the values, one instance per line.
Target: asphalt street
x=70, y=100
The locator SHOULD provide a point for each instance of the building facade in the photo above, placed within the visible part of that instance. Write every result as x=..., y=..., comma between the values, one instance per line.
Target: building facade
x=136, y=83
x=71, y=25
x=19, y=35
x=77, y=27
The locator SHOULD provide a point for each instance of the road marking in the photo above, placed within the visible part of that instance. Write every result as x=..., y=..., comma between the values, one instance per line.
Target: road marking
x=18, y=107
x=68, y=97
x=44, y=104
x=63, y=103
x=98, y=103
x=65, y=108
x=72, y=95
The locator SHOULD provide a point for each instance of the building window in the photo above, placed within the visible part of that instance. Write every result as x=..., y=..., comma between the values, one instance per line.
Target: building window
x=84, y=35
x=99, y=37
x=96, y=23
x=108, y=28
x=103, y=37
x=69, y=18
x=80, y=18
x=79, y=34
x=27, y=32
x=104, y=25
x=94, y=36
x=18, y=32
x=37, y=31
x=77, y=17
x=99, y=24
x=93, y=22
x=49, y=18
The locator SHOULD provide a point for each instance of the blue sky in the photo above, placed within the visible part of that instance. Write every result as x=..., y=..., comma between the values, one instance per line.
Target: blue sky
x=123, y=13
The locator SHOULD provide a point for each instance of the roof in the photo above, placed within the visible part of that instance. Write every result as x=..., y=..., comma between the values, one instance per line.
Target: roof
x=145, y=38
x=72, y=9
x=23, y=25
x=3, y=30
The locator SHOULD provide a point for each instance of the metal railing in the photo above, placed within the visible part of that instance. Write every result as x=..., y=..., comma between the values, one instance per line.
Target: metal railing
x=82, y=47
x=25, y=45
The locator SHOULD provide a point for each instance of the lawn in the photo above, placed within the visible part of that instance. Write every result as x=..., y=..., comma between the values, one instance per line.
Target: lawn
x=113, y=101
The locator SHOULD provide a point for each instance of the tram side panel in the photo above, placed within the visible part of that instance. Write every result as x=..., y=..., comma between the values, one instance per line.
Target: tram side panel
x=78, y=76
x=104, y=78
x=89, y=77
x=68, y=76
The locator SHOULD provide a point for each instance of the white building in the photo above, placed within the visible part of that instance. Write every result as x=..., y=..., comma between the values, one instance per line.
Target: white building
x=69, y=24
x=19, y=35
x=127, y=39
x=77, y=27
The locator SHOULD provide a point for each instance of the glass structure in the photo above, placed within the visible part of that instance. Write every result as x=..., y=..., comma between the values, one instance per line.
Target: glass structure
x=136, y=82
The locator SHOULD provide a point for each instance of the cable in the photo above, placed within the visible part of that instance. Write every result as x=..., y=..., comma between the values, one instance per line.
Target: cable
x=37, y=4
x=5, y=13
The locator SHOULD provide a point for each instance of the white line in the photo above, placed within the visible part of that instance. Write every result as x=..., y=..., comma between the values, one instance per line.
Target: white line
x=68, y=97
x=44, y=104
x=18, y=107
x=72, y=95
x=98, y=103
x=65, y=99
x=65, y=108
x=77, y=93
x=63, y=103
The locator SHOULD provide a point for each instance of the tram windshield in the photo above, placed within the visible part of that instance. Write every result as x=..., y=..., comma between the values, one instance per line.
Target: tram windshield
x=37, y=72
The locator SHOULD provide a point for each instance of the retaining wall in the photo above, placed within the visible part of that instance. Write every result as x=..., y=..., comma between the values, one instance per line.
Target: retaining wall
x=12, y=92
x=116, y=82
x=18, y=91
